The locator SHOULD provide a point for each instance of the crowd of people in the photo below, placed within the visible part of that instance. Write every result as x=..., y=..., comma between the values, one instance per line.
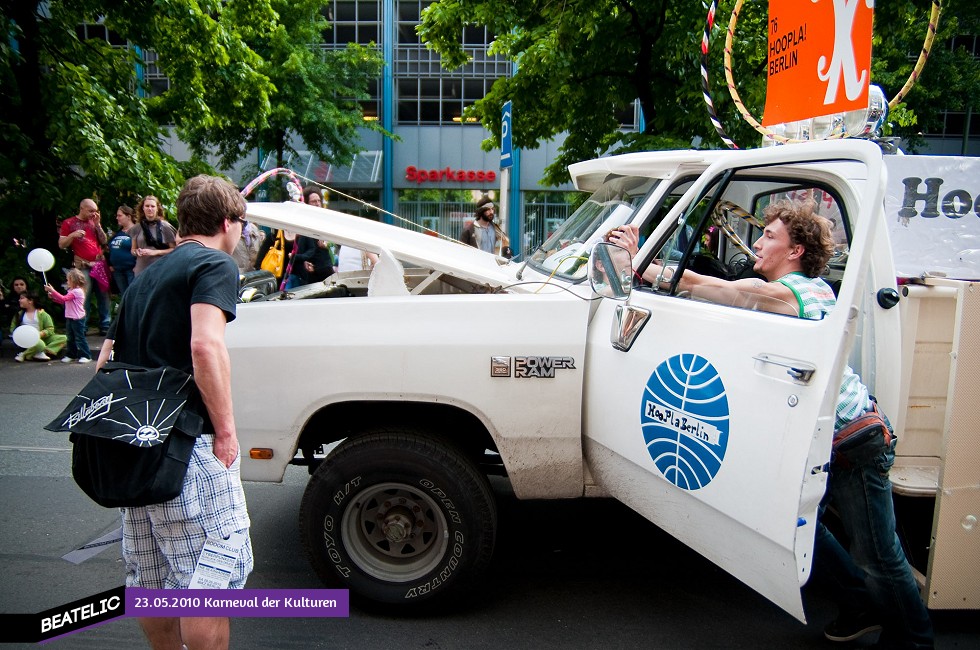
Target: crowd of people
x=109, y=261
x=102, y=264
x=304, y=260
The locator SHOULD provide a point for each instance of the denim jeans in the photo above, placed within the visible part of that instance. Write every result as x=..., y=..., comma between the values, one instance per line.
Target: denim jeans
x=99, y=297
x=123, y=279
x=77, y=343
x=292, y=281
x=875, y=577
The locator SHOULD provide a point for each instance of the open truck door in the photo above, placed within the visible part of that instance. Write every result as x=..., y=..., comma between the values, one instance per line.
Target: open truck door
x=714, y=417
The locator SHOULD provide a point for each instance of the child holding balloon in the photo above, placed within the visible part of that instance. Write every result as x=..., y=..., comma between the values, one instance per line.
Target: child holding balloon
x=30, y=315
x=74, y=302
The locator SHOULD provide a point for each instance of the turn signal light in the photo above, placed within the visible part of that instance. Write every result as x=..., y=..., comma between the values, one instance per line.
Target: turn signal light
x=260, y=453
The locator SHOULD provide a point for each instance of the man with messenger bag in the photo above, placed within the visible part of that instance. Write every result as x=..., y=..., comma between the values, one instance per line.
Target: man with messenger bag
x=174, y=316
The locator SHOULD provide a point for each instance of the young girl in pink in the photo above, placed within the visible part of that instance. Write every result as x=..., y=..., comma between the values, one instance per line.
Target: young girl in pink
x=74, y=302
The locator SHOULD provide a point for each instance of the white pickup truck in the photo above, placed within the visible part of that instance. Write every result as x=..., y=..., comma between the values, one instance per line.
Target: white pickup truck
x=446, y=365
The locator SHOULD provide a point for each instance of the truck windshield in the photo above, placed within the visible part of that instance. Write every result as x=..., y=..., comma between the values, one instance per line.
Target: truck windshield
x=566, y=251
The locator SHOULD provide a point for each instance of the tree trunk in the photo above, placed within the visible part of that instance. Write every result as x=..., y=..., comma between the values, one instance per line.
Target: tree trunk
x=29, y=113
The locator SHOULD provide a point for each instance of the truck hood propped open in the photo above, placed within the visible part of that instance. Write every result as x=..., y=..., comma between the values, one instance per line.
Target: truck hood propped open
x=409, y=247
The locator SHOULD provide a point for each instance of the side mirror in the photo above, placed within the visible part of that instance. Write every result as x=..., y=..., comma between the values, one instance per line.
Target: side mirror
x=611, y=271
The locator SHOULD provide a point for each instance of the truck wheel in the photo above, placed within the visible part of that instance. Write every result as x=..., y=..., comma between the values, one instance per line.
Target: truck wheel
x=398, y=518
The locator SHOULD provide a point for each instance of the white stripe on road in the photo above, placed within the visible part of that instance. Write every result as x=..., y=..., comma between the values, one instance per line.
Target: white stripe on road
x=45, y=449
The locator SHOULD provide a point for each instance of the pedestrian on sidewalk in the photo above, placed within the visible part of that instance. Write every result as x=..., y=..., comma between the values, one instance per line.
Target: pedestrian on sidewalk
x=84, y=235
x=74, y=302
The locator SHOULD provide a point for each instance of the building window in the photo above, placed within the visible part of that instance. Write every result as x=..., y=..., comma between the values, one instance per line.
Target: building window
x=358, y=202
x=955, y=124
x=969, y=42
x=409, y=16
x=155, y=81
x=371, y=108
x=438, y=100
x=85, y=31
x=353, y=21
x=413, y=59
x=629, y=117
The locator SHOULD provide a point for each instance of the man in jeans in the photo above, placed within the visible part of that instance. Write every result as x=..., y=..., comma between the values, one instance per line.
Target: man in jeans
x=83, y=233
x=872, y=585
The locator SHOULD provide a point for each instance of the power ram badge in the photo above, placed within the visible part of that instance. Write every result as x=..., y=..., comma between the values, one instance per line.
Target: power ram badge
x=521, y=367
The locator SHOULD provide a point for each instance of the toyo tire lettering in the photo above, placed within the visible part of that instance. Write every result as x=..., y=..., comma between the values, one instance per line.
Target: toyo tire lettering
x=398, y=518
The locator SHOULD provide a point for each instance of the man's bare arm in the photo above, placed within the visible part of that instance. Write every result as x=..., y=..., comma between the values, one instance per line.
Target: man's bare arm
x=212, y=373
x=104, y=353
x=64, y=241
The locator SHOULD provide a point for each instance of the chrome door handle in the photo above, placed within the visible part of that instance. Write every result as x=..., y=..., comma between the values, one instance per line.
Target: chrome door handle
x=799, y=371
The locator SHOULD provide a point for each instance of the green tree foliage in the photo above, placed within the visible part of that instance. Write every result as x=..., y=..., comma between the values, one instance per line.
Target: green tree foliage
x=74, y=121
x=580, y=64
x=316, y=97
x=950, y=80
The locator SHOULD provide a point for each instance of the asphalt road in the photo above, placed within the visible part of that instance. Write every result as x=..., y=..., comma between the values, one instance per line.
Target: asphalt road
x=570, y=574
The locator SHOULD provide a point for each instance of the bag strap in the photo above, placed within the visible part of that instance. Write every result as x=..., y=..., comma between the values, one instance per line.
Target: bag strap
x=120, y=365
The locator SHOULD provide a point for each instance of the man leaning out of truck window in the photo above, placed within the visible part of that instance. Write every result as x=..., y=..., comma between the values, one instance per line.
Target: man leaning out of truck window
x=872, y=585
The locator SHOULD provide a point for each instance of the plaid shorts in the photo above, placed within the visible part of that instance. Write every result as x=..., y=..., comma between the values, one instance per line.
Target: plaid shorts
x=161, y=543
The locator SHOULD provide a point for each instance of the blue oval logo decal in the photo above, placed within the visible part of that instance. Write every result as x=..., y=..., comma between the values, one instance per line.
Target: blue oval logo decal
x=684, y=416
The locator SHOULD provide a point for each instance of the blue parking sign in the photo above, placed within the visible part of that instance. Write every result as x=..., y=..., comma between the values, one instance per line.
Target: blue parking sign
x=506, y=148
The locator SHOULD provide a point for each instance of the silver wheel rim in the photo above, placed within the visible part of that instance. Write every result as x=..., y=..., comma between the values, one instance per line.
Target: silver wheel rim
x=394, y=532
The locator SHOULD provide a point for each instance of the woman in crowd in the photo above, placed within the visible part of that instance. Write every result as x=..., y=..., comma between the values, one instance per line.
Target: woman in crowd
x=121, y=259
x=311, y=260
x=152, y=236
x=50, y=344
x=11, y=299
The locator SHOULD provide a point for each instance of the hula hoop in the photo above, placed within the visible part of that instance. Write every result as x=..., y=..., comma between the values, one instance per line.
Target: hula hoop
x=923, y=55
x=261, y=178
x=705, y=86
x=729, y=78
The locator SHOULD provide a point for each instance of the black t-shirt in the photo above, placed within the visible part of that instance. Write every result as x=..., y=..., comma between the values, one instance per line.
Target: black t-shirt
x=153, y=326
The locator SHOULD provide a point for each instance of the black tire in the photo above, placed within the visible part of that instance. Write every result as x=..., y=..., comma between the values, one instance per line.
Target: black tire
x=399, y=519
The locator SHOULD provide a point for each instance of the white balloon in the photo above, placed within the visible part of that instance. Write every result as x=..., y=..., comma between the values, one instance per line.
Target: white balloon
x=40, y=259
x=26, y=336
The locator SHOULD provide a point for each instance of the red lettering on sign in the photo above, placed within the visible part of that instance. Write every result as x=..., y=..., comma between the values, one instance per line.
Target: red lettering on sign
x=415, y=175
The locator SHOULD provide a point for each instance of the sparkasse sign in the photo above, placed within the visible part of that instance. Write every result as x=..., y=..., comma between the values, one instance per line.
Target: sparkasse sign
x=448, y=174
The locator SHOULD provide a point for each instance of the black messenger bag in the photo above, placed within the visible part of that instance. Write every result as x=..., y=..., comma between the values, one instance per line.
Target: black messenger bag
x=132, y=436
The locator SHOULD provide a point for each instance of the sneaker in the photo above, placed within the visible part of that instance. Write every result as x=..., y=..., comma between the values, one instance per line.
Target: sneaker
x=19, y=357
x=847, y=627
x=40, y=356
x=66, y=360
x=84, y=360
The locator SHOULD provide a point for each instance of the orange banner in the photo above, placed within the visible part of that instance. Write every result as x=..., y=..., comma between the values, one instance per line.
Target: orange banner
x=819, y=58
